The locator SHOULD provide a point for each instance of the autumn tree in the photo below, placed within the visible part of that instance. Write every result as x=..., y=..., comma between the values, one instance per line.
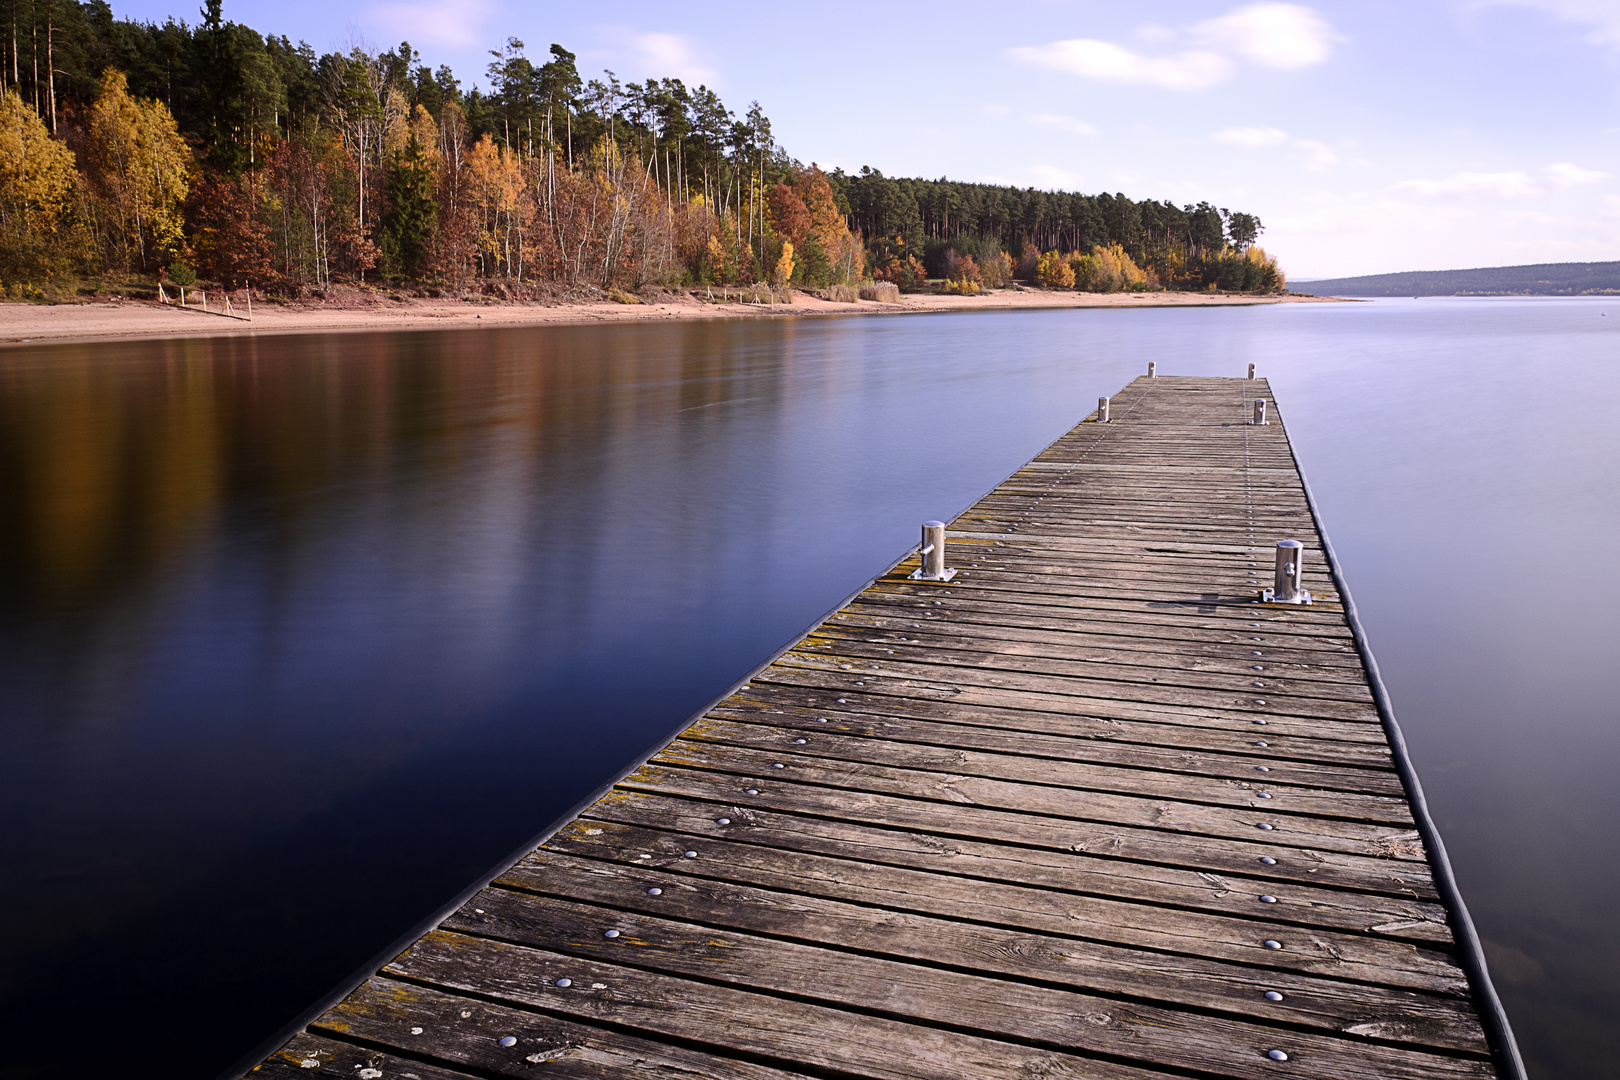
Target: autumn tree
x=139, y=171
x=409, y=222
x=37, y=180
x=1054, y=271
x=232, y=243
x=501, y=205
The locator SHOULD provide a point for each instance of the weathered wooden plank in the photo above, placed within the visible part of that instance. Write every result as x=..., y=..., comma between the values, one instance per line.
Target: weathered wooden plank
x=312, y=1056
x=1008, y=668
x=417, y=1021
x=1348, y=927
x=1124, y=701
x=662, y=972
x=794, y=837
x=1237, y=764
x=1395, y=867
x=773, y=1030
x=1266, y=790
x=954, y=789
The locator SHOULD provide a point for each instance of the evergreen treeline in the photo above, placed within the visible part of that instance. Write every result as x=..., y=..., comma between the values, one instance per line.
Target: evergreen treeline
x=134, y=151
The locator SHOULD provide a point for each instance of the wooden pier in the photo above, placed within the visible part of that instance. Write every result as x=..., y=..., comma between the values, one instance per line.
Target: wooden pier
x=1087, y=810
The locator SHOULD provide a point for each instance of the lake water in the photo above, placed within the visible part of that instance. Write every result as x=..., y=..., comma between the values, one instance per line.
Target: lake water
x=298, y=635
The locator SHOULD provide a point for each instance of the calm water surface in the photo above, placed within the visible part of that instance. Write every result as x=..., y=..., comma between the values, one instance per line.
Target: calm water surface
x=300, y=634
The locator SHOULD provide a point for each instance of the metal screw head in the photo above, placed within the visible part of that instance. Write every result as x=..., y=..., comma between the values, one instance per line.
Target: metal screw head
x=1262, y=720
x=752, y=791
x=799, y=741
x=508, y=1041
x=1266, y=827
x=842, y=701
x=691, y=854
x=1259, y=701
x=610, y=933
x=1277, y=1055
x=1272, y=995
x=1268, y=899
x=1268, y=860
x=1273, y=944
x=1262, y=768
x=779, y=765
x=821, y=719
x=655, y=892
x=1263, y=795
x=565, y=982
x=1261, y=744
x=722, y=821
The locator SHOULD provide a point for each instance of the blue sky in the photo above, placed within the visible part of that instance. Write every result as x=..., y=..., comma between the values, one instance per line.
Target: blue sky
x=1369, y=137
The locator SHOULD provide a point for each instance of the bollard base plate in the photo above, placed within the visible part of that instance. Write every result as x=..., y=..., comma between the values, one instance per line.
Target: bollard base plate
x=918, y=575
x=1269, y=596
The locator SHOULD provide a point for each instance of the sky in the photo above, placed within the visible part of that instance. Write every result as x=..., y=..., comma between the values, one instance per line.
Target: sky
x=1369, y=137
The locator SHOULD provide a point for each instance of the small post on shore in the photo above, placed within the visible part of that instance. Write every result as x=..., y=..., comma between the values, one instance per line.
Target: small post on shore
x=932, y=550
x=1251, y=371
x=1102, y=410
x=249, y=291
x=1285, y=585
x=1153, y=370
x=1260, y=411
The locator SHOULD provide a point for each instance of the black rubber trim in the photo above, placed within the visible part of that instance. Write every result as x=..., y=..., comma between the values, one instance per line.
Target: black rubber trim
x=1493, y=1018
x=260, y=1053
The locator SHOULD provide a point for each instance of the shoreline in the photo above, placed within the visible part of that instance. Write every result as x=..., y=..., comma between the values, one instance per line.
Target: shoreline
x=118, y=320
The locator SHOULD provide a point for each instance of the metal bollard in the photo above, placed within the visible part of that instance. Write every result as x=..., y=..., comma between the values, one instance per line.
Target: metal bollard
x=1260, y=411
x=932, y=550
x=1290, y=569
x=1152, y=370
x=1102, y=410
x=1251, y=371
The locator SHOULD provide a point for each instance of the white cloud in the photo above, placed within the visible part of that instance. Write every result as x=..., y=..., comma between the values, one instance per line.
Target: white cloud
x=1071, y=124
x=1507, y=185
x=1322, y=156
x=1273, y=35
x=1565, y=174
x=1251, y=138
x=667, y=54
x=460, y=26
x=1107, y=62
x=1319, y=156
x=1603, y=16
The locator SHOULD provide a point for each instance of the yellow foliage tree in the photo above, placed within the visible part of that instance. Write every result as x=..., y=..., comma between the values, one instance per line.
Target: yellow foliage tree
x=1108, y=268
x=784, y=266
x=500, y=202
x=37, y=179
x=139, y=170
x=1054, y=271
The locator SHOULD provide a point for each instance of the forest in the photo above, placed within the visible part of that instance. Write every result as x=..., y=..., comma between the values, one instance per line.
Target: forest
x=135, y=153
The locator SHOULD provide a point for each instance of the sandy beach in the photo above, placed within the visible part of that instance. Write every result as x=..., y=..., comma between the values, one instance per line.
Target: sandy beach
x=116, y=319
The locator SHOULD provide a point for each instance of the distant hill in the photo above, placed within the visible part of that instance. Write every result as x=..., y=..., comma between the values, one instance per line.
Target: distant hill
x=1540, y=279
